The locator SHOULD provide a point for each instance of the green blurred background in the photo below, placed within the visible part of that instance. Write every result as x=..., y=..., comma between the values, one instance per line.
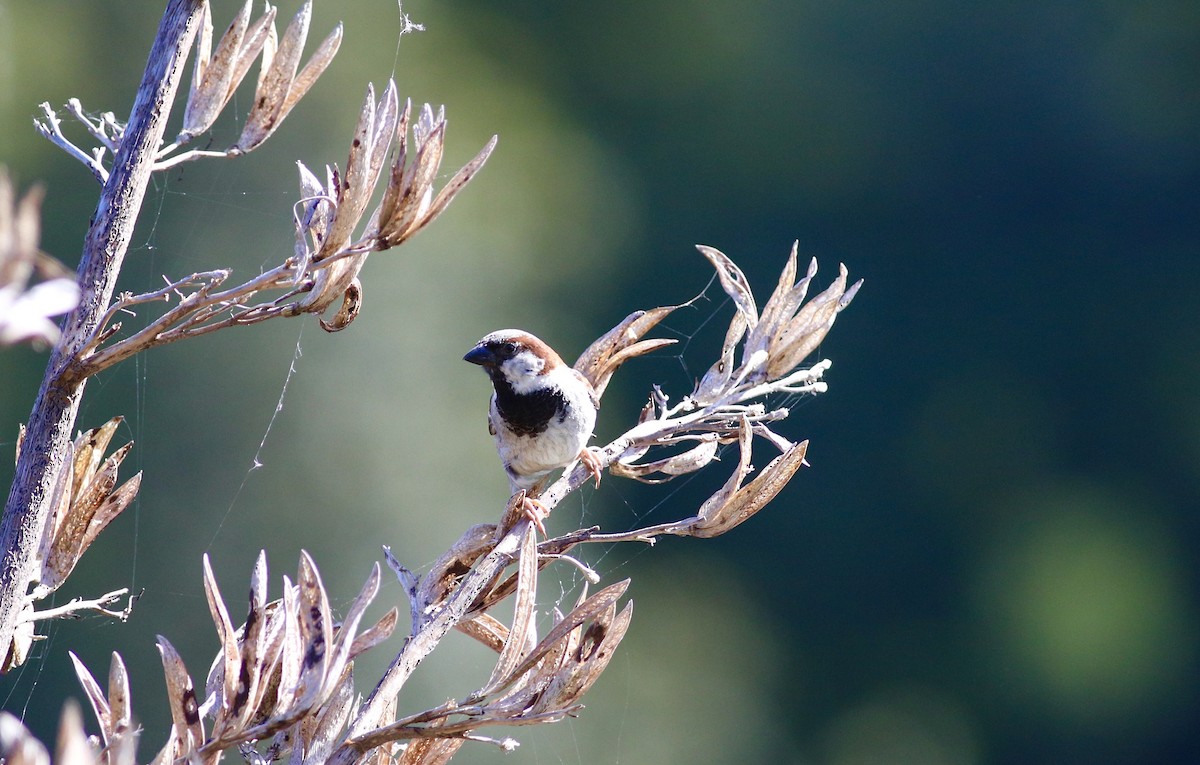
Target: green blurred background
x=993, y=558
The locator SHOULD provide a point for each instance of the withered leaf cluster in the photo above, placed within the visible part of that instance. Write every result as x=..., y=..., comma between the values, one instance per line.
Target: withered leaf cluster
x=217, y=74
x=283, y=680
x=729, y=404
x=282, y=685
x=333, y=209
x=86, y=499
x=534, y=681
x=327, y=257
x=787, y=331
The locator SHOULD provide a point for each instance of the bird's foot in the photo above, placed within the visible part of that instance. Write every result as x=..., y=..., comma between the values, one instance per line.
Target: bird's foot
x=591, y=461
x=534, y=510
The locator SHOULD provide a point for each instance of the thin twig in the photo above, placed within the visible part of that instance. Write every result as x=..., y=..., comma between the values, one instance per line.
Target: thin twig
x=75, y=107
x=76, y=608
x=192, y=156
x=51, y=129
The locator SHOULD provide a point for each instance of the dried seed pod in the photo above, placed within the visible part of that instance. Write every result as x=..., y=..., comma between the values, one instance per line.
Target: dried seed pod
x=86, y=499
x=676, y=465
x=621, y=343
x=749, y=499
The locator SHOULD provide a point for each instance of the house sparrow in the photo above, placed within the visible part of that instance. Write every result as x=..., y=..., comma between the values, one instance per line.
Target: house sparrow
x=542, y=413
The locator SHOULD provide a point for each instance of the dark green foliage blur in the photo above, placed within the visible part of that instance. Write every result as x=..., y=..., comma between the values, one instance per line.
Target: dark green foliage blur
x=994, y=556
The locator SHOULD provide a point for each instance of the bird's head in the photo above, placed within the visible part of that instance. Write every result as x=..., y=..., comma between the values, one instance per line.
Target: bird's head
x=516, y=358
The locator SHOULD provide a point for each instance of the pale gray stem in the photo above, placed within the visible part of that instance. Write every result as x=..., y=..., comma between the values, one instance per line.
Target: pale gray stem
x=53, y=418
x=76, y=608
x=426, y=637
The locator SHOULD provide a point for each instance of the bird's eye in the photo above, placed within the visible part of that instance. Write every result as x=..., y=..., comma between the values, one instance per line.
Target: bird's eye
x=507, y=349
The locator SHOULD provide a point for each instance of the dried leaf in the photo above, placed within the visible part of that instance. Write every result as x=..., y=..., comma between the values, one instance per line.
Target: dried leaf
x=185, y=712
x=352, y=193
x=344, y=637
x=203, y=50
x=231, y=656
x=320, y=60
x=590, y=658
x=455, y=185
x=250, y=672
x=386, y=118
x=775, y=313
x=69, y=542
x=713, y=505
x=486, y=629
x=389, y=205
x=112, y=506
x=474, y=543
x=291, y=657
x=755, y=495
x=715, y=382
x=264, y=699
x=734, y=282
x=351, y=306
x=585, y=611
x=60, y=505
x=120, y=709
x=265, y=25
x=523, y=613
x=776, y=307
x=95, y=696
x=416, y=185
x=315, y=632
x=318, y=210
x=22, y=641
x=677, y=464
x=795, y=296
x=613, y=348
x=18, y=746
x=89, y=453
x=628, y=331
x=808, y=328
x=274, y=83
x=95, y=489
x=376, y=634
x=211, y=95
x=260, y=42
x=326, y=733
x=551, y=664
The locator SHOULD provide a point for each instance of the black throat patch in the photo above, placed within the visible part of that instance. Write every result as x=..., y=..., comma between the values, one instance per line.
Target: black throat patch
x=527, y=414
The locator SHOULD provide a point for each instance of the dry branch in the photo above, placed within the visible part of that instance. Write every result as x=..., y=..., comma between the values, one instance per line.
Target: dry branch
x=281, y=684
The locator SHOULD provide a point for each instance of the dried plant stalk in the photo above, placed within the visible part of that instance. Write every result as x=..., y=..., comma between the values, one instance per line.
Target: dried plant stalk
x=284, y=679
x=282, y=682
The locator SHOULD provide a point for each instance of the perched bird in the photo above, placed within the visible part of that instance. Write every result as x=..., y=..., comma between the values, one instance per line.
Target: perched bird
x=542, y=412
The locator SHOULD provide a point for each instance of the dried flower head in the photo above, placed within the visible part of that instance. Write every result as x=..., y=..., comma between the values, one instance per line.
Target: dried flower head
x=85, y=500
x=284, y=677
x=333, y=209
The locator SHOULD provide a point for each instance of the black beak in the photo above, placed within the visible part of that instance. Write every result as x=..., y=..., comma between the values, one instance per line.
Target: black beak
x=480, y=355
